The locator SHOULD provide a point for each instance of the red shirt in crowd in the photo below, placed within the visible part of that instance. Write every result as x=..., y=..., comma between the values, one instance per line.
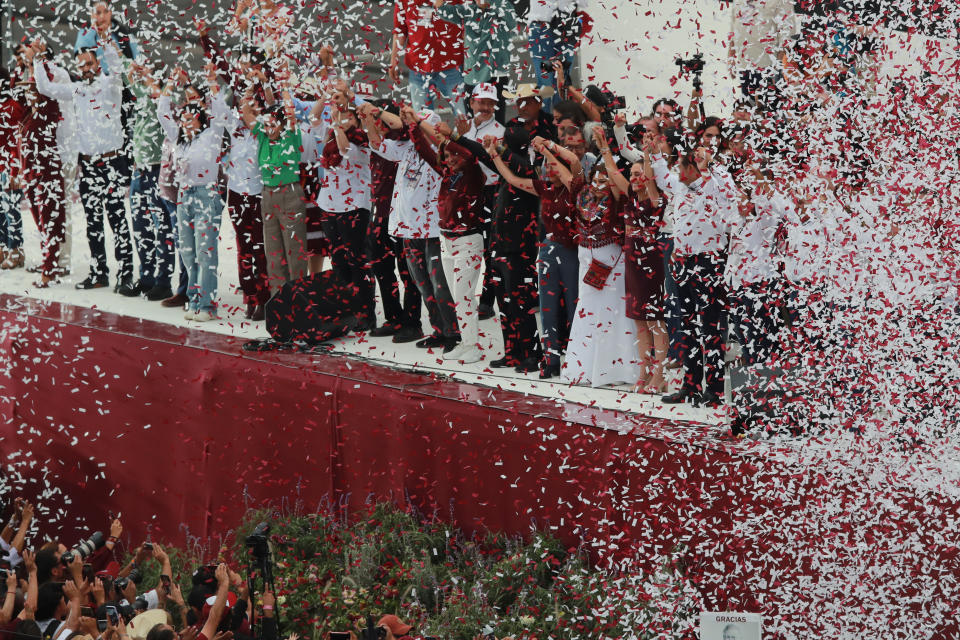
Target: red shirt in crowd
x=432, y=44
x=557, y=212
x=38, y=142
x=11, y=114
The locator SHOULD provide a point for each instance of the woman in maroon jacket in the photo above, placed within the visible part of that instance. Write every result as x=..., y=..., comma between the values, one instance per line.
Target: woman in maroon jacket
x=42, y=177
x=643, y=256
x=461, y=226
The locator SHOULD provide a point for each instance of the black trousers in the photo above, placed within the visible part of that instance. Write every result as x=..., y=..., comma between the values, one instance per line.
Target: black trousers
x=488, y=293
x=103, y=187
x=347, y=232
x=702, y=299
x=385, y=258
x=516, y=288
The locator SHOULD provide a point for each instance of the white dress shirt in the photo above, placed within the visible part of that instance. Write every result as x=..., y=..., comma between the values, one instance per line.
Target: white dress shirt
x=66, y=130
x=242, y=168
x=346, y=187
x=197, y=160
x=702, y=210
x=489, y=128
x=751, y=256
x=414, y=209
x=95, y=106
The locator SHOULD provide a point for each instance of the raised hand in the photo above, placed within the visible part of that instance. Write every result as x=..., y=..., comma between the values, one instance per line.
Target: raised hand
x=176, y=594
x=600, y=137
x=222, y=574
x=463, y=124
x=29, y=561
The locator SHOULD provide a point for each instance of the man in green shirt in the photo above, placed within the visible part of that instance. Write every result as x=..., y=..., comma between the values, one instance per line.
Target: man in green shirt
x=283, y=204
x=152, y=227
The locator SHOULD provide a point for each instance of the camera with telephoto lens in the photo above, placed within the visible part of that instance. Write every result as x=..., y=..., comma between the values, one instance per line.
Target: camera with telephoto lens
x=84, y=548
x=258, y=542
x=692, y=65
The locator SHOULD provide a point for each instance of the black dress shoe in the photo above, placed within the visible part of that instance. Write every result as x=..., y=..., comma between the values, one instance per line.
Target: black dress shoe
x=159, y=292
x=682, y=396
x=430, y=342
x=384, y=330
x=126, y=288
x=407, y=334
x=93, y=282
x=548, y=371
x=484, y=312
x=362, y=325
x=528, y=365
x=503, y=363
x=710, y=399
x=450, y=343
x=259, y=313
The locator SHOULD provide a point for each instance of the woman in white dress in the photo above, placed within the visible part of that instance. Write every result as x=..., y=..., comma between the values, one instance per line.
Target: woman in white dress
x=601, y=349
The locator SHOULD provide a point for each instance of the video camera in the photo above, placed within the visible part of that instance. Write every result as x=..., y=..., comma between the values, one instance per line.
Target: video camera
x=693, y=65
x=258, y=542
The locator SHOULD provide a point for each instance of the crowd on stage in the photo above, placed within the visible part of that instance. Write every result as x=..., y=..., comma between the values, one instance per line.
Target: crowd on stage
x=95, y=589
x=637, y=243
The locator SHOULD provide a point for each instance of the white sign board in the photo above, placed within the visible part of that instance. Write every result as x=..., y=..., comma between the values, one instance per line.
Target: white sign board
x=729, y=625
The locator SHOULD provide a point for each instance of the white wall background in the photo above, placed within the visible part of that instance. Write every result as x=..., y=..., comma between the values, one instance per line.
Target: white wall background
x=634, y=43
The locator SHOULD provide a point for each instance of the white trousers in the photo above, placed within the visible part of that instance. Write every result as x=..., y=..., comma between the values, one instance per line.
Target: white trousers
x=463, y=264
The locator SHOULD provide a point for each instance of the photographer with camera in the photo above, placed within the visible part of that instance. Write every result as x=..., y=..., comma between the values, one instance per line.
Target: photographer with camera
x=54, y=557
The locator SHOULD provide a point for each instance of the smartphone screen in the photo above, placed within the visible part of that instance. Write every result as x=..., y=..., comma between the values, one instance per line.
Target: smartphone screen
x=86, y=612
x=102, y=625
x=113, y=616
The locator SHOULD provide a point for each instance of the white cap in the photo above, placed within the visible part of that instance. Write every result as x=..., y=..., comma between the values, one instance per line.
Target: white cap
x=485, y=91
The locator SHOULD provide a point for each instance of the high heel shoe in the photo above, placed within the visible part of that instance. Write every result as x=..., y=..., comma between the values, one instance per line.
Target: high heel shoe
x=14, y=260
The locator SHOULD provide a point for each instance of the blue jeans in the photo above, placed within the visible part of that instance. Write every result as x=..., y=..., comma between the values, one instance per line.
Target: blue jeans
x=424, y=88
x=675, y=334
x=170, y=213
x=198, y=221
x=11, y=222
x=544, y=45
x=558, y=273
x=153, y=236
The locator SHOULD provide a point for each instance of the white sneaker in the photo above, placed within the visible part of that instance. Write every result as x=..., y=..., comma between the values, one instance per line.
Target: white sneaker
x=190, y=315
x=205, y=316
x=465, y=353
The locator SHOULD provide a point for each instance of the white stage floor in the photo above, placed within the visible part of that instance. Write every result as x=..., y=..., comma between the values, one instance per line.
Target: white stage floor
x=379, y=350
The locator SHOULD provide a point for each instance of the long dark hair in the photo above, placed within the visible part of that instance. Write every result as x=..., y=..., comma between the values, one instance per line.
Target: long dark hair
x=200, y=112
